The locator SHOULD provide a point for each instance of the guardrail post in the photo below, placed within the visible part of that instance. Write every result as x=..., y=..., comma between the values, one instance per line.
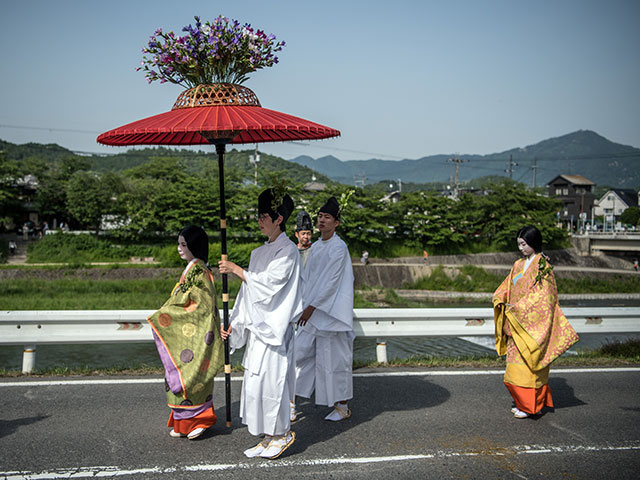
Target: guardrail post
x=381, y=350
x=28, y=358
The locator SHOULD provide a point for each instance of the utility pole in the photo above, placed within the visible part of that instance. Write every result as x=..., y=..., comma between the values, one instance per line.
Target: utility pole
x=612, y=217
x=254, y=160
x=511, y=165
x=359, y=180
x=535, y=167
x=457, y=161
x=582, y=209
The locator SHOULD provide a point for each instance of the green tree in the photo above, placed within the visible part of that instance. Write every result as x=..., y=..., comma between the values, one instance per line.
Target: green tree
x=161, y=197
x=631, y=216
x=91, y=196
x=508, y=207
x=242, y=209
x=51, y=197
x=365, y=222
x=9, y=192
x=429, y=220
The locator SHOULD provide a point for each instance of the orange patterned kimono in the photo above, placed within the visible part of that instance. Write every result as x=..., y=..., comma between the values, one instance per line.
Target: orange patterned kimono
x=532, y=331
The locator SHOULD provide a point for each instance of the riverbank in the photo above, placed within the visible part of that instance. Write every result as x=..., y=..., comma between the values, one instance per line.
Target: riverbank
x=566, y=258
x=567, y=299
x=397, y=273
x=377, y=285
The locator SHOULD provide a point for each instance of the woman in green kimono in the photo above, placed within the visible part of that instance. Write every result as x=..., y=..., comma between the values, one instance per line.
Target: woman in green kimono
x=530, y=328
x=186, y=330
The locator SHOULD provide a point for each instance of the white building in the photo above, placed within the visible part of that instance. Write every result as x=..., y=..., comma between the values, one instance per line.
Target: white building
x=614, y=202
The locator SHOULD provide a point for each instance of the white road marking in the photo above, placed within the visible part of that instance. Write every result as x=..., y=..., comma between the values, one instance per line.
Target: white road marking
x=423, y=373
x=114, y=471
x=569, y=432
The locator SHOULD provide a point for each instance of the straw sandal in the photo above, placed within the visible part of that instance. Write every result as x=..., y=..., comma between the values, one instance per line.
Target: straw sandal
x=278, y=445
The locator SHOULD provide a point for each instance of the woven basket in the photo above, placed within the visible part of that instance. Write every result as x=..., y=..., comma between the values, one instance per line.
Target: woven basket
x=216, y=94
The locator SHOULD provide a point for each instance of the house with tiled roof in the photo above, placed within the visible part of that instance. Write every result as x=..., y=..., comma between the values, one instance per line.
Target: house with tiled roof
x=576, y=194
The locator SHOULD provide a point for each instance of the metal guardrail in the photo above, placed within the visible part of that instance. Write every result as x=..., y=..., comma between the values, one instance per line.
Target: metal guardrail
x=33, y=327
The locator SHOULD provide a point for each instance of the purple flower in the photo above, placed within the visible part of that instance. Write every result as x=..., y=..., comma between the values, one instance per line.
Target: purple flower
x=209, y=52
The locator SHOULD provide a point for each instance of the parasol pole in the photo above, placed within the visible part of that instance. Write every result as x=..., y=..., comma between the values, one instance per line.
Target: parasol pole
x=220, y=147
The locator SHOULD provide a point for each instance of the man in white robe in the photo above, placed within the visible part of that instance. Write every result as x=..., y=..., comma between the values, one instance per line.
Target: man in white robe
x=324, y=339
x=262, y=320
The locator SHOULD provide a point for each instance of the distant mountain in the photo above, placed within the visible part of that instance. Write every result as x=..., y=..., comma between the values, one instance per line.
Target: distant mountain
x=51, y=151
x=236, y=161
x=583, y=152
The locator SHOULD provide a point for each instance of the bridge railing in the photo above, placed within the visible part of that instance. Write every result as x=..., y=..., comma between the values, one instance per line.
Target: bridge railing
x=616, y=234
x=34, y=327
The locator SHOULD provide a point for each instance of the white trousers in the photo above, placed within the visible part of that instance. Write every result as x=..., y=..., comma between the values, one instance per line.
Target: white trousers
x=324, y=363
x=267, y=386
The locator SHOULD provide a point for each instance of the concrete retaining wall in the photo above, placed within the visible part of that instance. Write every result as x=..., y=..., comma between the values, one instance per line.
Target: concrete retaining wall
x=397, y=272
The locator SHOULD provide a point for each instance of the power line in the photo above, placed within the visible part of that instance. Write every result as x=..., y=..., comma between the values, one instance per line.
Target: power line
x=325, y=147
x=555, y=158
x=303, y=144
x=50, y=129
x=522, y=176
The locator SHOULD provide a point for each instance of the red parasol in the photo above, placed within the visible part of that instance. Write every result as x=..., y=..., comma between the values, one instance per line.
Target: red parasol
x=219, y=114
x=226, y=111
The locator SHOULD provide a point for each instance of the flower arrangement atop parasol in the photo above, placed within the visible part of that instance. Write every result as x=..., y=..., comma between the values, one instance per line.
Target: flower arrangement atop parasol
x=222, y=51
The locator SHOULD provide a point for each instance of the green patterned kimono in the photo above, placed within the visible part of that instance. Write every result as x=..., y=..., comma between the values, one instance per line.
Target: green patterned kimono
x=186, y=330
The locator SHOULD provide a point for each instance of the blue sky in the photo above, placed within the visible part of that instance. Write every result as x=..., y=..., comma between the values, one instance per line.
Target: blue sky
x=401, y=79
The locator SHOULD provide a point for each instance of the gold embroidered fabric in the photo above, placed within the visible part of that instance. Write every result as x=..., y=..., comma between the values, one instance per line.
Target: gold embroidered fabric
x=537, y=332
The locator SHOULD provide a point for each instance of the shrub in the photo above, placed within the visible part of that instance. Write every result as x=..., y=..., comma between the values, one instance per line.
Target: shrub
x=437, y=280
x=83, y=248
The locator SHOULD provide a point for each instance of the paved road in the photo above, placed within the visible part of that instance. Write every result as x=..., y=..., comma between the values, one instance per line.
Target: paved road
x=406, y=424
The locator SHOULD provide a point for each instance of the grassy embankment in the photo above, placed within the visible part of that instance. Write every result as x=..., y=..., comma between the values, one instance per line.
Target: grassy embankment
x=471, y=278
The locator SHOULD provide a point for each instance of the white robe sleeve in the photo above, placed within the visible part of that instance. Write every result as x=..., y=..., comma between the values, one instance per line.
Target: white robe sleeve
x=270, y=297
x=239, y=332
x=329, y=282
x=266, y=284
x=329, y=288
x=274, y=293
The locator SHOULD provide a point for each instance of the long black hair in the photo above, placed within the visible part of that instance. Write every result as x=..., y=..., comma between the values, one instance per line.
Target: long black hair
x=197, y=241
x=532, y=236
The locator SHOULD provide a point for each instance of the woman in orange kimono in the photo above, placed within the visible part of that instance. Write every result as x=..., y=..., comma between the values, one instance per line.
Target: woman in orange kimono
x=530, y=328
